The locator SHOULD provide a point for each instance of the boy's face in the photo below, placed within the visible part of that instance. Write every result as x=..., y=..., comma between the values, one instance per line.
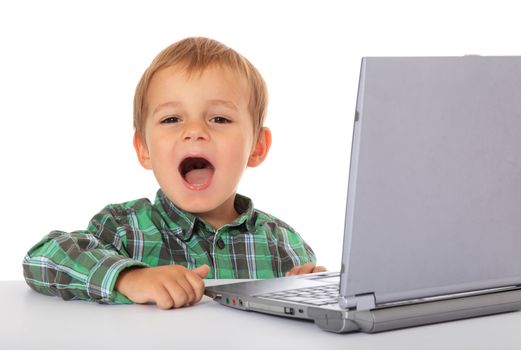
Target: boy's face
x=199, y=139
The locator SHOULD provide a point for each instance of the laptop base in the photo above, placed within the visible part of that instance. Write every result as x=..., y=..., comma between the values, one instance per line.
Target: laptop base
x=383, y=318
x=396, y=317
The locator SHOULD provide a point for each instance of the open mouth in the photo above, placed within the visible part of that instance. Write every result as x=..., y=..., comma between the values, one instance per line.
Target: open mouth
x=197, y=172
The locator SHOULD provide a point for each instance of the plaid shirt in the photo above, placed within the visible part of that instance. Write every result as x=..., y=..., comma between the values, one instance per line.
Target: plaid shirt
x=86, y=264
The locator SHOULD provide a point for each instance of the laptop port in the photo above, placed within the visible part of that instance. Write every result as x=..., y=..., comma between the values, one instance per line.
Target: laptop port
x=289, y=311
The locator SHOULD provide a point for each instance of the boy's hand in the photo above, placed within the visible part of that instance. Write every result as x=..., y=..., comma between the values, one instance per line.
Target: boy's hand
x=171, y=286
x=306, y=268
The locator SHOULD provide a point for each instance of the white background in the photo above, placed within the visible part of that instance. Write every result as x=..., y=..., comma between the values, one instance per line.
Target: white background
x=68, y=70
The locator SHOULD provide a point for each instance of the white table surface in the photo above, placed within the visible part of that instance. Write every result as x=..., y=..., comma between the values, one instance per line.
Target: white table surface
x=29, y=320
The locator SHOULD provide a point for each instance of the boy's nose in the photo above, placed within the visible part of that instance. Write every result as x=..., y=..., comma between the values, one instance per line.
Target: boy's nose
x=195, y=131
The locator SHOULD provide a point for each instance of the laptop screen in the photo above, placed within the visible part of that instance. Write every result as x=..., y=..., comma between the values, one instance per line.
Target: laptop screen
x=435, y=178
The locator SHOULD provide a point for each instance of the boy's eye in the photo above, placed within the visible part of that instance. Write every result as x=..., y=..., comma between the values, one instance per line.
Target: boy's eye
x=220, y=120
x=171, y=119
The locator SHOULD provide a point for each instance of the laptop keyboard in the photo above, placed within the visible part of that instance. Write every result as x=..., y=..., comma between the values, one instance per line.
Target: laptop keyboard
x=320, y=295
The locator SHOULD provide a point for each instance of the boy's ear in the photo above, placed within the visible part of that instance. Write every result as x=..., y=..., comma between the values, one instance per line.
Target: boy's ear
x=142, y=152
x=260, y=151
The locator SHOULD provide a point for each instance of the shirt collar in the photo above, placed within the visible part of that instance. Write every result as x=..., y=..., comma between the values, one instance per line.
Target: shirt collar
x=184, y=222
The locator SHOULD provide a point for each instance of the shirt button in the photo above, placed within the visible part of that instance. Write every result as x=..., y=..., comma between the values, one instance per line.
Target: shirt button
x=220, y=244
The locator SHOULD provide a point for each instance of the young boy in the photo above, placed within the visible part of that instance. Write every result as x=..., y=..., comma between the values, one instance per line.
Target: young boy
x=199, y=110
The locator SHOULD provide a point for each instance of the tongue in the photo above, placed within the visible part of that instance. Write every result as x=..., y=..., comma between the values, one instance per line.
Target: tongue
x=199, y=177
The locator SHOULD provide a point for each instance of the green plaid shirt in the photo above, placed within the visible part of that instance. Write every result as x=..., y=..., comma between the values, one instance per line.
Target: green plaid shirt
x=86, y=264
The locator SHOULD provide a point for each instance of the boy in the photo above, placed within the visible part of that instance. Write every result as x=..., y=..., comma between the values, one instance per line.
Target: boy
x=198, y=116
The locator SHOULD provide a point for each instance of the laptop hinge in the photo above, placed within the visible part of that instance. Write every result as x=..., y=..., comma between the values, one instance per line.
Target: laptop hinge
x=360, y=302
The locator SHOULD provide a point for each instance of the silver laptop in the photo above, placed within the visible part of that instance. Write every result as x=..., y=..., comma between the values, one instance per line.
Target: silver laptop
x=433, y=214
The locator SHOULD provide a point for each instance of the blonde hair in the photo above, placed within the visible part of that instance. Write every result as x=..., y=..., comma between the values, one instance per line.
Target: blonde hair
x=197, y=54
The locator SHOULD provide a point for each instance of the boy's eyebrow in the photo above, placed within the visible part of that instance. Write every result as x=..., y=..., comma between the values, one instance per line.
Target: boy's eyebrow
x=166, y=104
x=225, y=103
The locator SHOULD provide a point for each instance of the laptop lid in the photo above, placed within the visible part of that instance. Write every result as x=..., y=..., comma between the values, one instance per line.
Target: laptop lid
x=435, y=180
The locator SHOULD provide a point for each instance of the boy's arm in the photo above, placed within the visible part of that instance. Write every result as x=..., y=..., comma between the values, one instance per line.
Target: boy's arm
x=85, y=264
x=97, y=265
x=296, y=255
x=76, y=265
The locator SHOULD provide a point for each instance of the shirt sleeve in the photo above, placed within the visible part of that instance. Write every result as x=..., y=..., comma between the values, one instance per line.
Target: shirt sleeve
x=292, y=249
x=80, y=264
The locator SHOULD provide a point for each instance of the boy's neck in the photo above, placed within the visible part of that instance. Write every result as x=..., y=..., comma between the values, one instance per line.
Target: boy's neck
x=223, y=215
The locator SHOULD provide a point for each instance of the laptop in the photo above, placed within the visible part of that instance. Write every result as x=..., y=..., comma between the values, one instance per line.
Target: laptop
x=433, y=213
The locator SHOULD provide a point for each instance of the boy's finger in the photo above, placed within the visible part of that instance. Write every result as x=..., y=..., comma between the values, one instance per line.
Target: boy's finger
x=306, y=268
x=197, y=284
x=293, y=271
x=202, y=271
x=178, y=293
x=163, y=298
x=188, y=289
x=319, y=269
